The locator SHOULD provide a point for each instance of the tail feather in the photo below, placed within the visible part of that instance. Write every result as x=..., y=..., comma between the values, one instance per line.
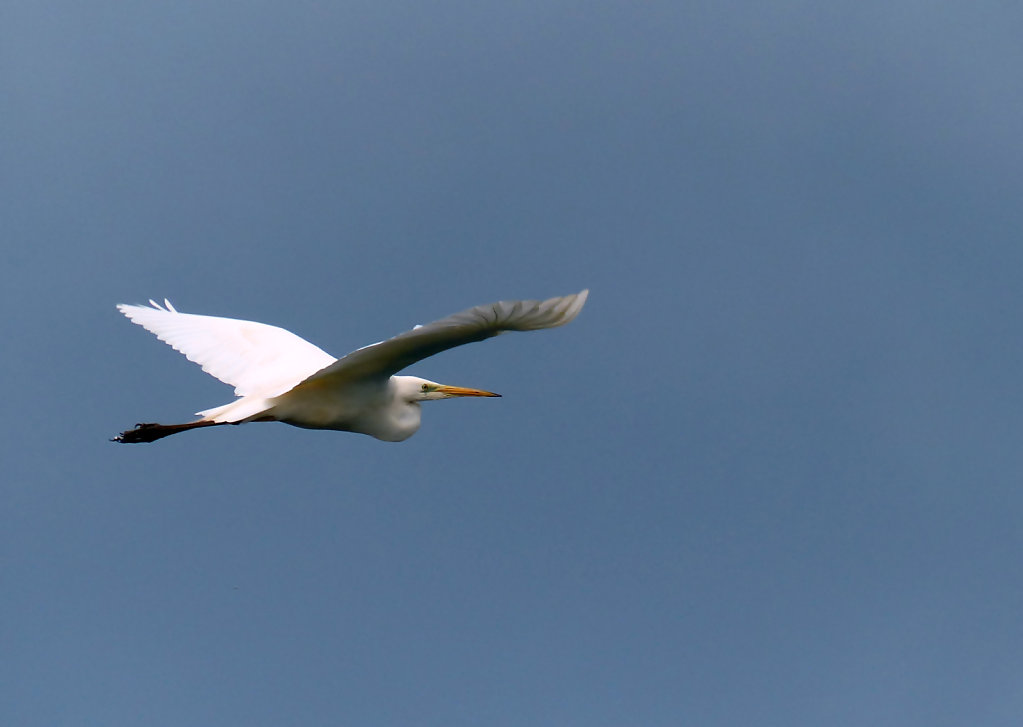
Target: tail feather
x=247, y=408
x=151, y=432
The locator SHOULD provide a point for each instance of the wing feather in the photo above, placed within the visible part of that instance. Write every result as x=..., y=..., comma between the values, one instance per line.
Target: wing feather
x=254, y=358
x=386, y=358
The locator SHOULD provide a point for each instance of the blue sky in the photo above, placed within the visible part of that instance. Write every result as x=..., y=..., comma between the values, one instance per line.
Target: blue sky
x=770, y=475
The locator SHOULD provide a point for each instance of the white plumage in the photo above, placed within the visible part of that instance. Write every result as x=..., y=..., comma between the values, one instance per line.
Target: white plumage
x=279, y=376
x=254, y=358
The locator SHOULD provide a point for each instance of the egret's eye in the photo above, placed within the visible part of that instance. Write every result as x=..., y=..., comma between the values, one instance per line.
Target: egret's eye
x=426, y=387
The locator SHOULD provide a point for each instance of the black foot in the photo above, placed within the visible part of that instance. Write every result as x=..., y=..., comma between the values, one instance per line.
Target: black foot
x=139, y=433
x=152, y=431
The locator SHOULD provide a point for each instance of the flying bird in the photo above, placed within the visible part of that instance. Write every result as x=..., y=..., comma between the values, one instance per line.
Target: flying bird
x=280, y=377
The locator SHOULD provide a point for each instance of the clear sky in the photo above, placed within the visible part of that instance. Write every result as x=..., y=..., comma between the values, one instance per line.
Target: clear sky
x=770, y=475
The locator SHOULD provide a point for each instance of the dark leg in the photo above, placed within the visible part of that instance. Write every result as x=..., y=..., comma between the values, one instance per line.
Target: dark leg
x=152, y=432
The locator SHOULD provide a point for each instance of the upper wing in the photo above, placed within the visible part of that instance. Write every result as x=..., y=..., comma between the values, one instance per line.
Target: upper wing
x=253, y=357
x=476, y=324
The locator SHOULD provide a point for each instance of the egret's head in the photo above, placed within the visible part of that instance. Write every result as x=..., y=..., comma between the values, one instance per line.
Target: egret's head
x=422, y=390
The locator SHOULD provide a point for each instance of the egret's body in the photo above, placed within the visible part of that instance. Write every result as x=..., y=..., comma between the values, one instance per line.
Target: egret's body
x=386, y=409
x=281, y=377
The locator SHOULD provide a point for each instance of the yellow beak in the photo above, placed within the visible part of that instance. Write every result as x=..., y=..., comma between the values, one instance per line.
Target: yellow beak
x=462, y=391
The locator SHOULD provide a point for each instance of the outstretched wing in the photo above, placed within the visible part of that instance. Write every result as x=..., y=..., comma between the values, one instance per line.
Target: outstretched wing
x=253, y=357
x=383, y=359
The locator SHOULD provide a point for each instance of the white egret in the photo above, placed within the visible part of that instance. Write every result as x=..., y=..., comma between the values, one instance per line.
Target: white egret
x=280, y=377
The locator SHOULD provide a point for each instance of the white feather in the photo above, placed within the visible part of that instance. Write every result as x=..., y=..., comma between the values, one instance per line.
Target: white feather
x=256, y=359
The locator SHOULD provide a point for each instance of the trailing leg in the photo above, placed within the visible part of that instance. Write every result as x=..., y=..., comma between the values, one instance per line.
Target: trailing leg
x=151, y=432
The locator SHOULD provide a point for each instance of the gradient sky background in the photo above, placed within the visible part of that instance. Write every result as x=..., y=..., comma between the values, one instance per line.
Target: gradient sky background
x=771, y=475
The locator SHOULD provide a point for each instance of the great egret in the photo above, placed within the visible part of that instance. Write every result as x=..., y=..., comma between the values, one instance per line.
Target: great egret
x=280, y=377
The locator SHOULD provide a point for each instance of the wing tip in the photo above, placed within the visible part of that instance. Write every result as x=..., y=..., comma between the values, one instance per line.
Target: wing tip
x=579, y=299
x=569, y=305
x=129, y=308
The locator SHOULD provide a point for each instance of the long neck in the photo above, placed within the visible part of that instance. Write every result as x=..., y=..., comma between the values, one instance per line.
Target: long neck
x=403, y=415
